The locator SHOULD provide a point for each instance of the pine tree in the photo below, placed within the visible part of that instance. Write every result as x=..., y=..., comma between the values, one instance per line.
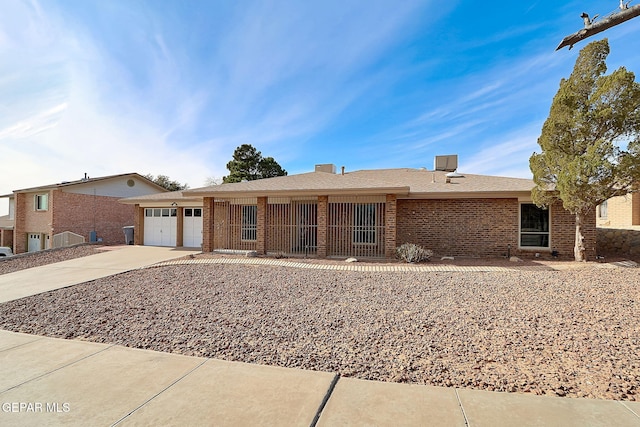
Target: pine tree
x=590, y=141
x=248, y=165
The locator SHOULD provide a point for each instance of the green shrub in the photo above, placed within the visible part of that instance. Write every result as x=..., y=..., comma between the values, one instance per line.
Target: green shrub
x=410, y=252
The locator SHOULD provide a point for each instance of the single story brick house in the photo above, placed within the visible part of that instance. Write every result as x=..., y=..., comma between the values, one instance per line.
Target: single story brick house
x=364, y=214
x=87, y=207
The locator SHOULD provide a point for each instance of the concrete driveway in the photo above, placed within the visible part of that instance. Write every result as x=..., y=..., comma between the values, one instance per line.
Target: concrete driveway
x=114, y=260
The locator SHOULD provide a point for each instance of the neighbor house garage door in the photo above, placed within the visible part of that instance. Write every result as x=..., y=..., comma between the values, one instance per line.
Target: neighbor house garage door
x=34, y=244
x=160, y=226
x=192, y=228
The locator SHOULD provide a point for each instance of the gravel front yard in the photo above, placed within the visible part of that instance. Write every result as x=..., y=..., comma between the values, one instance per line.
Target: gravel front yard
x=36, y=259
x=569, y=333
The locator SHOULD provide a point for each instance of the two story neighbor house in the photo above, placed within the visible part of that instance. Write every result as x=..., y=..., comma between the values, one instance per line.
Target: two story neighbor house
x=87, y=207
x=619, y=212
x=364, y=214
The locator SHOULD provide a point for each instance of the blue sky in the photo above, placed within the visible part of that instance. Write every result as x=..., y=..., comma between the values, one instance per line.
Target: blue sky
x=173, y=87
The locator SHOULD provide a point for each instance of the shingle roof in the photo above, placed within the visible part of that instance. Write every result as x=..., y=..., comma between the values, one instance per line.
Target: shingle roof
x=84, y=181
x=316, y=183
x=422, y=181
x=405, y=181
x=160, y=197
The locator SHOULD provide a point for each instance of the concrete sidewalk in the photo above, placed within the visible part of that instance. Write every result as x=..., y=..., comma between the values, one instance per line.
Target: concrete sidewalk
x=119, y=259
x=48, y=381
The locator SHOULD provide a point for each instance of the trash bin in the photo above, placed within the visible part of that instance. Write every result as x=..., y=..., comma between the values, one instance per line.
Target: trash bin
x=128, y=234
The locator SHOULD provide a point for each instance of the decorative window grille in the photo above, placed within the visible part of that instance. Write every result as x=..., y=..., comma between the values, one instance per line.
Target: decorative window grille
x=235, y=223
x=292, y=226
x=355, y=227
x=364, y=223
x=249, y=222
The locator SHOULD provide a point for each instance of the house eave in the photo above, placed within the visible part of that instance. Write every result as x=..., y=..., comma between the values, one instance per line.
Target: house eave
x=469, y=195
x=182, y=201
x=399, y=191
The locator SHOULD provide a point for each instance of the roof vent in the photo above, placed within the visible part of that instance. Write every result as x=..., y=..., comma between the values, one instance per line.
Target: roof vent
x=448, y=163
x=327, y=168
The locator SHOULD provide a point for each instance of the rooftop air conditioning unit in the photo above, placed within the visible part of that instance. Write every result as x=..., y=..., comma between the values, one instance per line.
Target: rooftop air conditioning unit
x=328, y=168
x=448, y=163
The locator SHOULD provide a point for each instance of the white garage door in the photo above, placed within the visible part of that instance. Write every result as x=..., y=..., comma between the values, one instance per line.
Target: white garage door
x=160, y=226
x=192, y=228
x=34, y=242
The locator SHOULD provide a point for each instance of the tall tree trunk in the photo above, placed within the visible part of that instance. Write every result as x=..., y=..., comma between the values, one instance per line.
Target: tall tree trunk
x=579, y=249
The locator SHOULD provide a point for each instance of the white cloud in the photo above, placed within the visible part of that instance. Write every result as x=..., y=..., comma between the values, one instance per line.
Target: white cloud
x=34, y=125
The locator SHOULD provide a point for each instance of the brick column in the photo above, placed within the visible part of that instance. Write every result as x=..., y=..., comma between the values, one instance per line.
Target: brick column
x=208, y=206
x=138, y=225
x=390, y=225
x=261, y=226
x=180, y=226
x=323, y=208
x=19, y=226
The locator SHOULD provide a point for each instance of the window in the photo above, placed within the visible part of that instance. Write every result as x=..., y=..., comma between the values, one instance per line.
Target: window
x=249, y=222
x=193, y=212
x=364, y=223
x=602, y=209
x=534, y=226
x=160, y=212
x=42, y=202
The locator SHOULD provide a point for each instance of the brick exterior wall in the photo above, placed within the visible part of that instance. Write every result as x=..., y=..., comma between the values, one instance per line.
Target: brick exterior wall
x=461, y=227
x=81, y=214
x=209, y=211
x=261, y=225
x=29, y=220
x=456, y=227
x=6, y=238
x=390, y=217
x=138, y=222
x=19, y=231
x=622, y=211
x=563, y=233
x=179, y=226
x=481, y=227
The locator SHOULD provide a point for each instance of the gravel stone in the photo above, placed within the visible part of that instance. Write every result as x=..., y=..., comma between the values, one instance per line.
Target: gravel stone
x=50, y=256
x=573, y=333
